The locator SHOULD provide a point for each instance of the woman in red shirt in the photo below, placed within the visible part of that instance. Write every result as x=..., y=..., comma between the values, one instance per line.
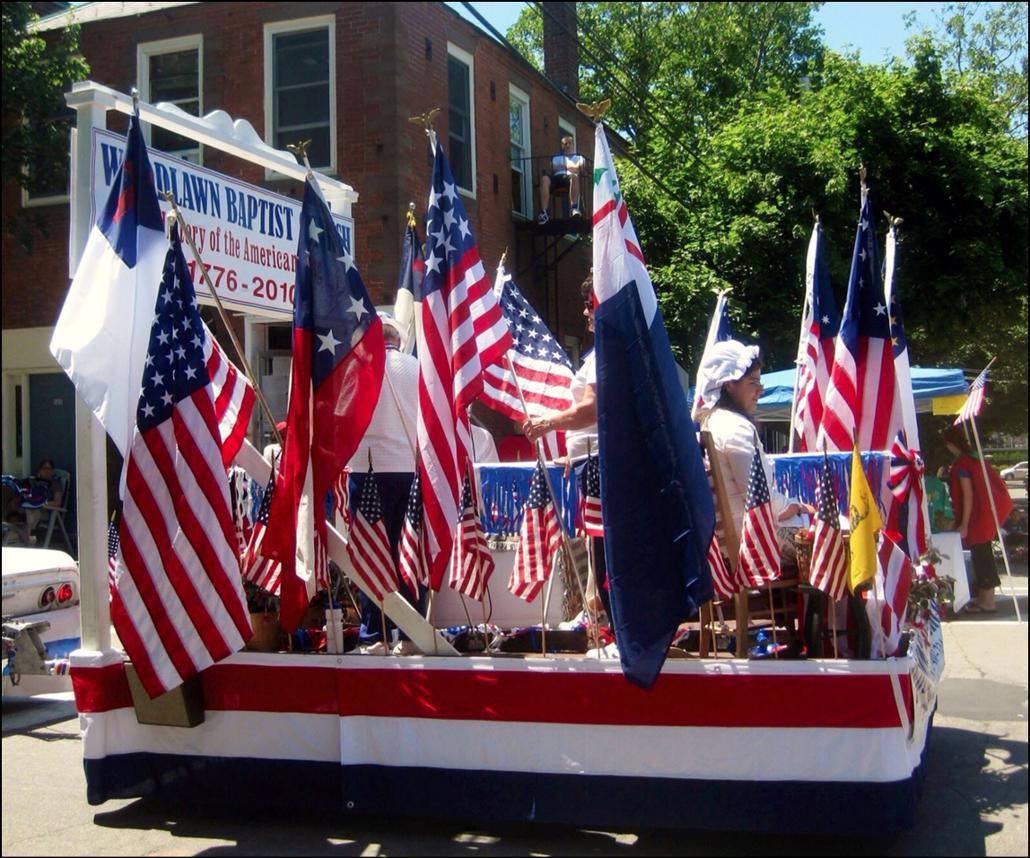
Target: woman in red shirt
x=973, y=517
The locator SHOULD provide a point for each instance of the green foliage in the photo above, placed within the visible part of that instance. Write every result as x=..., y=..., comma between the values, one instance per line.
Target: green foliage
x=755, y=127
x=36, y=74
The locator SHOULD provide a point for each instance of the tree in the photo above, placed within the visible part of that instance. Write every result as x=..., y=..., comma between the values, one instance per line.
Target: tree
x=37, y=73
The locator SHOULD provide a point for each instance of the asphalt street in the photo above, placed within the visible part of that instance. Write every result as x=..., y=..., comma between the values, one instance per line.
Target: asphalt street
x=975, y=799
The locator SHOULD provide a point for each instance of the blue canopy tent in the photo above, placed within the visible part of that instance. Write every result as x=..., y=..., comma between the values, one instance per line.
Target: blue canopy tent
x=927, y=384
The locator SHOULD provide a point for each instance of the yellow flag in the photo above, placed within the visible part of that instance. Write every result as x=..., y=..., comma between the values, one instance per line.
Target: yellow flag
x=865, y=522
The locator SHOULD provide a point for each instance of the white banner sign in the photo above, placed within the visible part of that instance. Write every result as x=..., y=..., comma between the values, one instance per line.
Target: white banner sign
x=246, y=235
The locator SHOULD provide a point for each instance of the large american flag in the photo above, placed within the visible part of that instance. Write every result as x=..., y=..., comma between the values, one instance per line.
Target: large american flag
x=338, y=366
x=759, y=547
x=178, y=605
x=472, y=564
x=369, y=545
x=539, y=540
x=818, y=334
x=590, y=504
x=258, y=569
x=887, y=610
x=975, y=400
x=542, y=369
x=412, y=550
x=861, y=396
x=829, y=565
x=463, y=331
x=234, y=399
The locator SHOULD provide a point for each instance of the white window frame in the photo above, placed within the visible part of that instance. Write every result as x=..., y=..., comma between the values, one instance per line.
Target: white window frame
x=276, y=28
x=467, y=59
x=516, y=94
x=146, y=50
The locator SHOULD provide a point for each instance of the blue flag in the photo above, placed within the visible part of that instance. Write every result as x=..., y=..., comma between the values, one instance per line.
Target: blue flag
x=658, y=509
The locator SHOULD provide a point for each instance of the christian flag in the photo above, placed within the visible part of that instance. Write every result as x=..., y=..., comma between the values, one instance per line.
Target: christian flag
x=103, y=332
x=659, y=514
x=338, y=365
x=408, y=303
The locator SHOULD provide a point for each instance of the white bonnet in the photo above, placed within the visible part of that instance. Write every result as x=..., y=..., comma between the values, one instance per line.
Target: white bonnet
x=723, y=362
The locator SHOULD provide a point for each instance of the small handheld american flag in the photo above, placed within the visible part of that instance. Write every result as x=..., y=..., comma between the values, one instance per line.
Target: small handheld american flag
x=539, y=540
x=593, y=524
x=759, y=546
x=829, y=558
x=258, y=569
x=413, y=567
x=471, y=561
x=369, y=546
x=975, y=400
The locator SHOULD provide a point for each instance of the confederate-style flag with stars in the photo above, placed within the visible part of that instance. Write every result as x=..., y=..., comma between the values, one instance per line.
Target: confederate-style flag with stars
x=862, y=397
x=463, y=331
x=543, y=371
x=178, y=604
x=759, y=561
x=338, y=364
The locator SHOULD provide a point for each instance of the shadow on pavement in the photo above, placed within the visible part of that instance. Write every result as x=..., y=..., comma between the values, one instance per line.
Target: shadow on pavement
x=970, y=774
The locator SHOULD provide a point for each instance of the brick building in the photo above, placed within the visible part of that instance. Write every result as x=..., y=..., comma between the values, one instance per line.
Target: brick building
x=348, y=76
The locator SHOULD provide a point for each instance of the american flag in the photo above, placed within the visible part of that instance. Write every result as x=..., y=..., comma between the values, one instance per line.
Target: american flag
x=829, y=565
x=819, y=331
x=902, y=368
x=719, y=331
x=722, y=579
x=906, y=485
x=369, y=545
x=590, y=502
x=463, y=331
x=539, y=540
x=861, y=396
x=112, y=557
x=258, y=569
x=413, y=568
x=759, y=547
x=178, y=606
x=338, y=366
x=887, y=610
x=975, y=400
x=234, y=399
x=471, y=563
x=542, y=369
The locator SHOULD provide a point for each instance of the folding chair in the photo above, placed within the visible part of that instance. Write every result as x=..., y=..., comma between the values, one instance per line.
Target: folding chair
x=54, y=515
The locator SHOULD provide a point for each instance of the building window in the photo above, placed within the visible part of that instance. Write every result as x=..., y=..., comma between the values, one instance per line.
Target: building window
x=47, y=179
x=170, y=71
x=521, y=172
x=300, y=88
x=461, y=125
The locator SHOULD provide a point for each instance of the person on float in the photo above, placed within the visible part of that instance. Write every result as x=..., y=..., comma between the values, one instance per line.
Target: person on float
x=974, y=519
x=728, y=404
x=579, y=422
x=390, y=439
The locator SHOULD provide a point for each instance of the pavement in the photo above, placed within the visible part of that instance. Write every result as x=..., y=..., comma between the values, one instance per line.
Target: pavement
x=974, y=803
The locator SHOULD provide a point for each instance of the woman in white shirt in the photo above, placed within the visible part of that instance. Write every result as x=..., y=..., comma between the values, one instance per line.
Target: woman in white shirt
x=728, y=403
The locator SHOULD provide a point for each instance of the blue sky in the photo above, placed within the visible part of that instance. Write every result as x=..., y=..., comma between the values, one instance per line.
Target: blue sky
x=876, y=30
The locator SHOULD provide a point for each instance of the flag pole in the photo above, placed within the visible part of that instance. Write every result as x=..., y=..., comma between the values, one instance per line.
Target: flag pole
x=224, y=316
x=566, y=546
x=833, y=623
x=797, y=360
x=994, y=513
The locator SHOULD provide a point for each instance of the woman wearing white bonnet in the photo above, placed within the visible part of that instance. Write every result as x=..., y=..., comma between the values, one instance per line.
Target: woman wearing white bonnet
x=730, y=375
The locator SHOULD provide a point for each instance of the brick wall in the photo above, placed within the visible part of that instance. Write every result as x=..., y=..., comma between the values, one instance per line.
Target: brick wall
x=384, y=74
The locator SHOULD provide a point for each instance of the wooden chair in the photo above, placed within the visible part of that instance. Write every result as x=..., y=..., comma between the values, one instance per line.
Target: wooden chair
x=748, y=604
x=54, y=515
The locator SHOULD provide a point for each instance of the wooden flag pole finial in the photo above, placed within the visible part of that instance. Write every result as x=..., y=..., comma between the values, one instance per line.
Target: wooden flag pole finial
x=595, y=110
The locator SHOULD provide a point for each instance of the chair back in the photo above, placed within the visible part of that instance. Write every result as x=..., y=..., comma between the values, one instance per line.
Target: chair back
x=65, y=479
x=725, y=526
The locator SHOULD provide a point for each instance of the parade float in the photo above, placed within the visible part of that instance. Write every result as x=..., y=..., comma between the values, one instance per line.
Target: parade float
x=831, y=745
